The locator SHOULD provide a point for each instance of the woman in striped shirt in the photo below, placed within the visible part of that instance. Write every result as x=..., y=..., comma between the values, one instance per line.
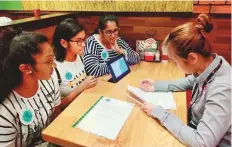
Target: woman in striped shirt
x=104, y=45
x=29, y=97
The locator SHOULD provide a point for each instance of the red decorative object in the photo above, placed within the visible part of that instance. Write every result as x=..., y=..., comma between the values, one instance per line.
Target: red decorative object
x=164, y=57
x=149, y=56
x=36, y=13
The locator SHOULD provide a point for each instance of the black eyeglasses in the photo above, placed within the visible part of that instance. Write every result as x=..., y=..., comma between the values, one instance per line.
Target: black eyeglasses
x=109, y=32
x=79, y=42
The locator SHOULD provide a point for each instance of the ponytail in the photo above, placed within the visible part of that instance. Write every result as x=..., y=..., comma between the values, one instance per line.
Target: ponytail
x=6, y=35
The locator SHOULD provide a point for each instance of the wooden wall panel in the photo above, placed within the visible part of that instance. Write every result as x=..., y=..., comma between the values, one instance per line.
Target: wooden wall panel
x=217, y=7
x=212, y=2
x=221, y=9
x=133, y=28
x=47, y=31
x=201, y=9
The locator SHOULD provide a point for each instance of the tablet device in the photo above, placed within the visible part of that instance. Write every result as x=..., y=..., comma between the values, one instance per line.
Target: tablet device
x=118, y=68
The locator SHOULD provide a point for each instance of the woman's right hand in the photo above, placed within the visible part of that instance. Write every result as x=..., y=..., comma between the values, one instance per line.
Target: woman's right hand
x=147, y=85
x=89, y=82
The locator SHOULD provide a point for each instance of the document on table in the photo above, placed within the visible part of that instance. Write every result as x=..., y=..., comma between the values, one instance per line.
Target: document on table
x=106, y=117
x=164, y=99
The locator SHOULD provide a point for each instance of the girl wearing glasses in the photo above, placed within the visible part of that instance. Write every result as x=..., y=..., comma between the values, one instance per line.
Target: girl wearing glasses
x=69, y=43
x=209, y=114
x=29, y=97
x=104, y=45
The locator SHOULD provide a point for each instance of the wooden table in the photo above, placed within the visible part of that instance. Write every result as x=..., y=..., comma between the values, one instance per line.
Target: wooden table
x=139, y=130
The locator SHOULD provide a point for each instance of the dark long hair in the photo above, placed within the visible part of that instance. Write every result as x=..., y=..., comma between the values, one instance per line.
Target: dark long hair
x=6, y=34
x=17, y=49
x=67, y=29
x=103, y=20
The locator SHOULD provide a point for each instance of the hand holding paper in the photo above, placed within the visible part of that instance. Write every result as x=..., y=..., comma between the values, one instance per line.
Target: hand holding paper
x=133, y=99
x=164, y=99
x=148, y=108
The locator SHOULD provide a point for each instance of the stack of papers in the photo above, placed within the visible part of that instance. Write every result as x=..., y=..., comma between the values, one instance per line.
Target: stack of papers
x=106, y=118
x=164, y=99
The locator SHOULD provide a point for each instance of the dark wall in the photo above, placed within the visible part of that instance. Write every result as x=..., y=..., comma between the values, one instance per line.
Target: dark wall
x=134, y=25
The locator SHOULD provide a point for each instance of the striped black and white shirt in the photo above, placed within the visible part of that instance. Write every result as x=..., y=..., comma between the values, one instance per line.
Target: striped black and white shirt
x=13, y=132
x=95, y=65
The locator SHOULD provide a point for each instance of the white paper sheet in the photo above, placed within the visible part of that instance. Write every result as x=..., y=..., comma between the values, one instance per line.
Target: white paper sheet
x=164, y=99
x=106, y=118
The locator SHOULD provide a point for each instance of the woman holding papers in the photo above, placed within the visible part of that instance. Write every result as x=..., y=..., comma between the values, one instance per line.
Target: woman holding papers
x=209, y=116
x=69, y=43
x=104, y=45
x=29, y=97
